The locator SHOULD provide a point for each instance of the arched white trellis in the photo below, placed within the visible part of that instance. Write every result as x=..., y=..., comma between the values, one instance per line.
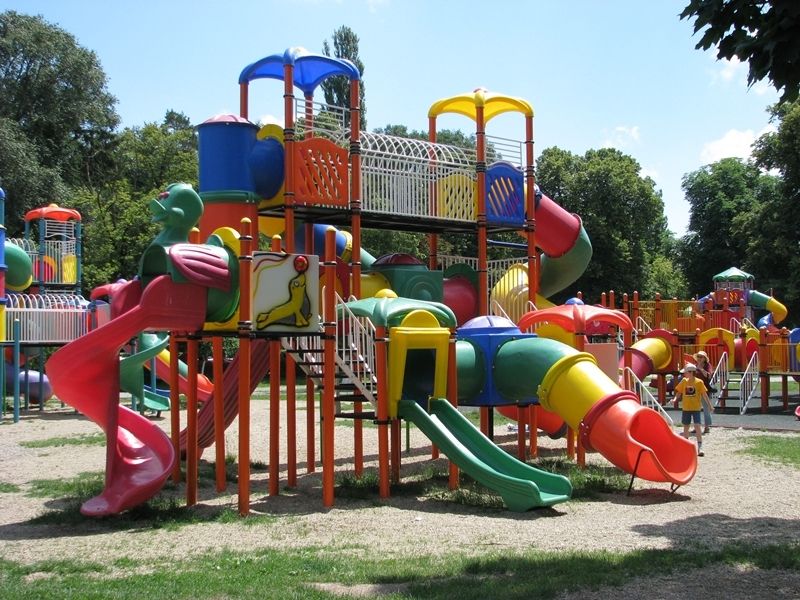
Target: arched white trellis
x=47, y=318
x=404, y=176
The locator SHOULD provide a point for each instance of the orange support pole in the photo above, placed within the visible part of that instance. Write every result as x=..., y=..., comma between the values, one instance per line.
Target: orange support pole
x=243, y=100
x=355, y=254
x=533, y=419
x=174, y=406
x=480, y=169
x=394, y=443
x=763, y=365
x=274, y=403
x=192, y=453
x=530, y=212
x=288, y=144
x=635, y=313
x=381, y=341
x=522, y=423
x=329, y=367
x=657, y=318
x=245, y=328
x=452, y=397
x=612, y=300
x=570, y=443
x=311, y=430
x=274, y=416
x=311, y=442
x=219, y=417
x=433, y=238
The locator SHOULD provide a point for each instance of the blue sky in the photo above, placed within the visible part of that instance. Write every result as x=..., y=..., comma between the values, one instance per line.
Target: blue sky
x=620, y=73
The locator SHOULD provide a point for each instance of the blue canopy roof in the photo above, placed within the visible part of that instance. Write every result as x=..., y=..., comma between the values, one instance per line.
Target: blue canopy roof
x=309, y=69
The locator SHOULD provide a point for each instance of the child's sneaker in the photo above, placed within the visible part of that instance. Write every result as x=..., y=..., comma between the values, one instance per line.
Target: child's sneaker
x=700, y=450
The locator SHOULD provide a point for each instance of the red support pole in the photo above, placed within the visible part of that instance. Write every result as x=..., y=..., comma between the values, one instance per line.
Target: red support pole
x=243, y=100
x=192, y=453
x=763, y=366
x=533, y=414
x=274, y=403
x=245, y=328
x=480, y=167
x=433, y=238
x=452, y=397
x=383, y=410
x=219, y=417
x=355, y=253
x=311, y=430
x=174, y=406
x=329, y=369
x=530, y=212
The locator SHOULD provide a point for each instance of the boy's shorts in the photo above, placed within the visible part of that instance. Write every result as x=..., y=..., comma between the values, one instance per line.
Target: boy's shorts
x=689, y=416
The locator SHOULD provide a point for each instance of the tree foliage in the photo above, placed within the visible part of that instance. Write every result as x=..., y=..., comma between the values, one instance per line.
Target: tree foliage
x=763, y=33
x=720, y=197
x=622, y=213
x=337, y=89
x=774, y=238
x=54, y=92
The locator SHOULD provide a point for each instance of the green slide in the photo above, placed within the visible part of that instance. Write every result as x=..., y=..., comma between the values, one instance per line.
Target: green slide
x=521, y=486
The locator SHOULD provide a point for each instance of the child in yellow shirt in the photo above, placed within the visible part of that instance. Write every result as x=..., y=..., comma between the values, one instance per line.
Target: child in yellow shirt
x=692, y=392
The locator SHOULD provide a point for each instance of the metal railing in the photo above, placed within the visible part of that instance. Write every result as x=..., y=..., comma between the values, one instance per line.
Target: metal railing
x=404, y=176
x=48, y=318
x=749, y=384
x=355, y=352
x=646, y=398
x=720, y=377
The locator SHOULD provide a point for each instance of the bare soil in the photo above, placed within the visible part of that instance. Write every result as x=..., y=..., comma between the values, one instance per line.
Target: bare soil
x=733, y=499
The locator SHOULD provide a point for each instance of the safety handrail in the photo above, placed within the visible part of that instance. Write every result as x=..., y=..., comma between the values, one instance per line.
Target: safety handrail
x=720, y=377
x=355, y=351
x=749, y=384
x=642, y=325
x=646, y=397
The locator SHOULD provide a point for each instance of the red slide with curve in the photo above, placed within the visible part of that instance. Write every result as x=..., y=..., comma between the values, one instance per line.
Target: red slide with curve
x=85, y=375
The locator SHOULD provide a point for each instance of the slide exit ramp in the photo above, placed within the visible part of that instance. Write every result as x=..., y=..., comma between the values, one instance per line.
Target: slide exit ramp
x=521, y=486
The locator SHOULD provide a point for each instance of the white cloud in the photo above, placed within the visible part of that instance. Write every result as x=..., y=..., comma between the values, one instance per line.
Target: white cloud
x=374, y=5
x=621, y=137
x=734, y=143
x=733, y=70
x=649, y=172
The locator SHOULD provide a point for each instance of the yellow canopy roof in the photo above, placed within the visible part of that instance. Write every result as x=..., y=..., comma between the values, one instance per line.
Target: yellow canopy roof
x=493, y=105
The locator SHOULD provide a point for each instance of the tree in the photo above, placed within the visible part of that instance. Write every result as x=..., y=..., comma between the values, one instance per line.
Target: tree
x=27, y=183
x=337, y=89
x=152, y=156
x=622, y=213
x=763, y=33
x=774, y=238
x=55, y=92
x=720, y=197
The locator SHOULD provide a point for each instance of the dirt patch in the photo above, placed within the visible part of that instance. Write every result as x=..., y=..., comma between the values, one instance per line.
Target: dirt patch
x=732, y=499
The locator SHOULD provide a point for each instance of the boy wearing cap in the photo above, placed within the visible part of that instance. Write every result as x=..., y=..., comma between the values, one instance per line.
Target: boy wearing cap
x=692, y=392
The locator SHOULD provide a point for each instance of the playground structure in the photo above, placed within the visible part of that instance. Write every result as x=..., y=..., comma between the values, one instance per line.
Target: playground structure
x=380, y=339
x=44, y=308
x=745, y=356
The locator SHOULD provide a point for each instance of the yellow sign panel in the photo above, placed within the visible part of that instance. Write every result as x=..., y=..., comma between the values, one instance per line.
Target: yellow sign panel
x=285, y=292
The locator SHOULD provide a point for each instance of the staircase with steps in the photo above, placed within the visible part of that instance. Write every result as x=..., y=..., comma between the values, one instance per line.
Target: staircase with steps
x=355, y=377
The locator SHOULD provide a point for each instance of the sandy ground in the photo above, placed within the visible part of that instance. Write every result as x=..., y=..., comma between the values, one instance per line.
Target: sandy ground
x=733, y=498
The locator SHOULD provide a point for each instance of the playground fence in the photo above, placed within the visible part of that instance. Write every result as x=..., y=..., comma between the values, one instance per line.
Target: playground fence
x=48, y=318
